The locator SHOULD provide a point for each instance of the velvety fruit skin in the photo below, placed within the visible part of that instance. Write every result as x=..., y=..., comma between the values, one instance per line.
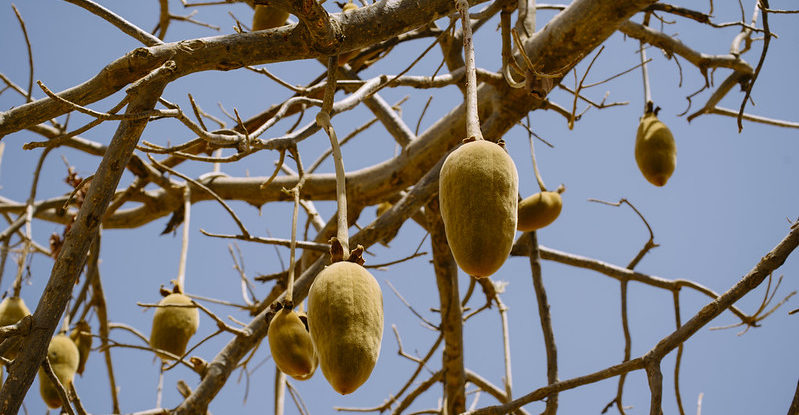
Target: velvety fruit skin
x=291, y=345
x=345, y=315
x=81, y=335
x=12, y=309
x=266, y=17
x=655, y=150
x=539, y=210
x=478, y=189
x=174, y=326
x=64, y=358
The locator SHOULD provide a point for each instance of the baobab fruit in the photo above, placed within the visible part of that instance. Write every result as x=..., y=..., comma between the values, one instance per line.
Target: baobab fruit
x=291, y=345
x=12, y=310
x=81, y=335
x=64, y=358
x=539, y=210
x=345, y=316
x=478, y=188
x=174, y=326
x=655, y=150
x=267, y=17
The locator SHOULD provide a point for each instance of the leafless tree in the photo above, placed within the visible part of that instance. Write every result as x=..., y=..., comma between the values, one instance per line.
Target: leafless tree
x=537, y=57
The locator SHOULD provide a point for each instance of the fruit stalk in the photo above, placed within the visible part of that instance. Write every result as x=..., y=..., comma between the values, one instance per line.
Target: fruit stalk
x=538, y=177
x=644, y=71
x=184, y=247
x=323, y=119
x=472, y=119
x=293, y=245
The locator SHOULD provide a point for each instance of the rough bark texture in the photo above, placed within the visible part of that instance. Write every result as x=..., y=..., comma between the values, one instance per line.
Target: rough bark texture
x=72, y=256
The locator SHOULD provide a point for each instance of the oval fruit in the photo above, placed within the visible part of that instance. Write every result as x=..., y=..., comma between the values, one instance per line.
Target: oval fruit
x=291, y=345
x=345, y=315
x=655, y=150
x=173, y=326
x=12, y=309
x=539, y=210
x=478, y=189
x=267, y=17
x=81, y=335
x=64, y=358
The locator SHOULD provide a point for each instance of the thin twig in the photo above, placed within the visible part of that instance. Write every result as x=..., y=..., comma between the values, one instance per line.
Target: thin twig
x=546, y=324
x=677, y=361
x=29, y=95
x=410, y=307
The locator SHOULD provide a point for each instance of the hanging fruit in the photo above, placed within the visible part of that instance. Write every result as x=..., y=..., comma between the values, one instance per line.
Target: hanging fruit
x=478, y=190
x=345, y=316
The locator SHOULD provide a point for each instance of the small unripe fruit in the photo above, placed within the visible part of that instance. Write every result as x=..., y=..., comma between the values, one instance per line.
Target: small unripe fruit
x=539, y=210
x=345, y=315
x=267, y=17
x=655, y=150
x=12, y=309
x=82, y=336
x=291, y=345
x=174, y=326
x=478, y=189
x=64, y=358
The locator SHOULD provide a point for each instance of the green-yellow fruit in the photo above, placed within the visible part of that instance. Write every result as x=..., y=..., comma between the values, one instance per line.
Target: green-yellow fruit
x=291, y=345
x=345, y=315
x=174, y=326
x=539, y=210
x=655, y=150
x=267, y=17
x=64, y=358
x=478, y=189
x=12, y=309
x=82, y=336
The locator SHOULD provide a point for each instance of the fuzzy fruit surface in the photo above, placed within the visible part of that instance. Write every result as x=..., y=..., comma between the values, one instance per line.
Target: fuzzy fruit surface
x=655, y=150
x=478, y=189
x=539, y=210
x=266, y=17
x=345, y=315
x=291, y=345
x=64, y=358
x=174, y=326
x=12, y=309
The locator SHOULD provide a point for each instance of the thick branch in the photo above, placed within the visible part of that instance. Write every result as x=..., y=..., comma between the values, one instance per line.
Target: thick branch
x=451, y=314
x=72, y=256
x=220, y=369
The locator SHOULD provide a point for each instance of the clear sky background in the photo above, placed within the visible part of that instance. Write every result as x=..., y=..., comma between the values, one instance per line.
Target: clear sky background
x=727, y=204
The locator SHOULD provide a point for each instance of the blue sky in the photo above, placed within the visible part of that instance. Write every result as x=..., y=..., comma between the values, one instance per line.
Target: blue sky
x=727, y=204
